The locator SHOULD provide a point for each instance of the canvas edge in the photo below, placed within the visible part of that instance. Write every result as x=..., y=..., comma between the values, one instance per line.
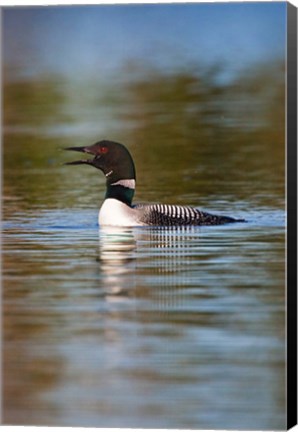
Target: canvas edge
x=291, y=142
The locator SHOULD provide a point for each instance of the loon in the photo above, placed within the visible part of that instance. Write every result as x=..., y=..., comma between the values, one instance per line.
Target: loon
x=117, y=210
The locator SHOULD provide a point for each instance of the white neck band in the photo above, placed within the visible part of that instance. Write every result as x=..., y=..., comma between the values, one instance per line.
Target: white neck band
x=131, y=183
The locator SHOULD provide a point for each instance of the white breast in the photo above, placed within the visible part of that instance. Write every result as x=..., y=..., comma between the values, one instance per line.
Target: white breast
x=116, y=213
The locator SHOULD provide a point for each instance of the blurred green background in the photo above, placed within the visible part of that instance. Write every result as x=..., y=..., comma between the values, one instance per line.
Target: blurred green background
x=196, y=91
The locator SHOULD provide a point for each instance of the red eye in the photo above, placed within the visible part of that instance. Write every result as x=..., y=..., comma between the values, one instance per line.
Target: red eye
x=103, y=150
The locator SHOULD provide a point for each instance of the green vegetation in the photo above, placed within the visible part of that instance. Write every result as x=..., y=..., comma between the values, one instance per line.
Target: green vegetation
x=183, y=127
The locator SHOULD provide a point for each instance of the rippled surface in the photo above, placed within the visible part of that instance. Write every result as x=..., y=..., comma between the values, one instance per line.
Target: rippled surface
x=174, y=328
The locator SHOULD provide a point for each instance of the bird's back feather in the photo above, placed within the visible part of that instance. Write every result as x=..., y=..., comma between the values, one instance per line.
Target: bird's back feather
x=173, y=215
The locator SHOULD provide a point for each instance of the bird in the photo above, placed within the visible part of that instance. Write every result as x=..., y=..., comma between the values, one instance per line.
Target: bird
x=116, y=163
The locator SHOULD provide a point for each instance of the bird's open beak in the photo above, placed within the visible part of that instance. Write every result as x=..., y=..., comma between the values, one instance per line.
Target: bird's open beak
x=88, y=150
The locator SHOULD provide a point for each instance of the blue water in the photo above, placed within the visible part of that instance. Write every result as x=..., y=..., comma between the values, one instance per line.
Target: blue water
x=144, y=327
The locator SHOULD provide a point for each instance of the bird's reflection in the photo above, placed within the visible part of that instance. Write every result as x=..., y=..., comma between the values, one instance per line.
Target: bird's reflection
x=146, y=262
x=166, y=260
x=117, y=259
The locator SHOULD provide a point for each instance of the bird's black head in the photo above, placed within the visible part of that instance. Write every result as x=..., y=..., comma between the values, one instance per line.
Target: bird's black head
x=110, y=157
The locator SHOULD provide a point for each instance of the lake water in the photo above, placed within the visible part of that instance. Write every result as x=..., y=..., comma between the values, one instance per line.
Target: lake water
x=148, y=327
x=144, y=327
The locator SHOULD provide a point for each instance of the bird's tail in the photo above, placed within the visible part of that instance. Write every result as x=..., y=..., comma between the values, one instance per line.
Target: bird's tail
x=210, y=219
